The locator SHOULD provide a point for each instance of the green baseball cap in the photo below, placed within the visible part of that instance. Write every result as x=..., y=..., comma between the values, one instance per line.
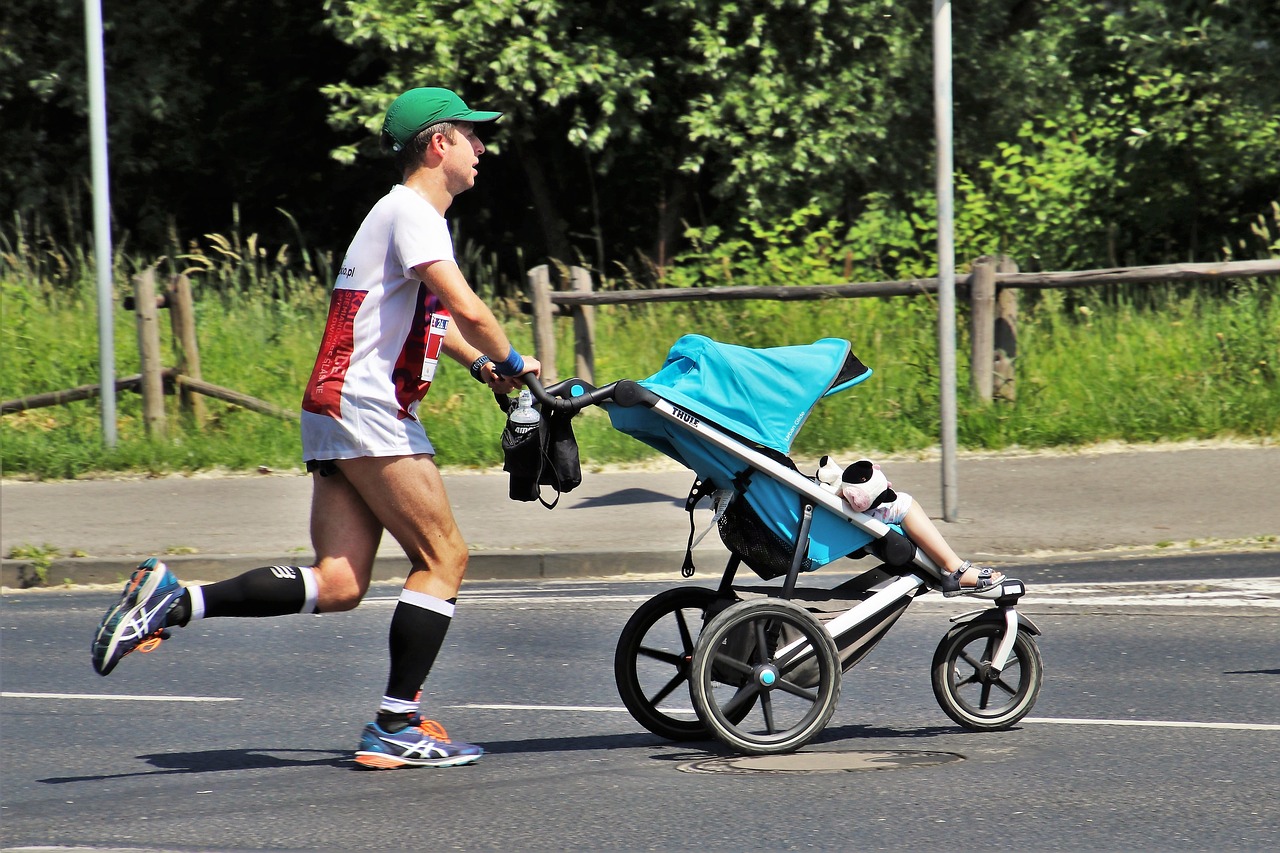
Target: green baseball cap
x=417, y=109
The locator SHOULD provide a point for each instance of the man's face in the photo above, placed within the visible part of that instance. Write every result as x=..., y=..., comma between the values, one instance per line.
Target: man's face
x=461, y=157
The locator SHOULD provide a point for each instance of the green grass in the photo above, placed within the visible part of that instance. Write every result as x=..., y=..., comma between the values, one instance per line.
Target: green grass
x=1175, y=364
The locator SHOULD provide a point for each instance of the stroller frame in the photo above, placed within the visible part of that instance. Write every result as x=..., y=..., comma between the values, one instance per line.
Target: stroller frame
x=763, y=670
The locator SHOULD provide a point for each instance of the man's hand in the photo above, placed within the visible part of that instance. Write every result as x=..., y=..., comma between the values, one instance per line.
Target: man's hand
x=507, y=384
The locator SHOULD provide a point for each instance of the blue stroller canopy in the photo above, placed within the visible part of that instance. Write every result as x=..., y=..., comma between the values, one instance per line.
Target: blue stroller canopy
x=763, y=395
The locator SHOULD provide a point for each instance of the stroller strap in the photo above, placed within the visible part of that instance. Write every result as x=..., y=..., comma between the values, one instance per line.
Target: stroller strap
x=720, y=499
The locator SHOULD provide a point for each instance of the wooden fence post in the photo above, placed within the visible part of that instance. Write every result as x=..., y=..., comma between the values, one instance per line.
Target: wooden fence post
x=982, y=302
x=1006, y=336
x=584, y=327
x=183, y=319
x=544, y=333
x=146, y=312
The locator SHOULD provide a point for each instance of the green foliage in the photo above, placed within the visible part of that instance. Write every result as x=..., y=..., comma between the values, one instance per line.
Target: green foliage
x=40, y=558
x=1172, y=363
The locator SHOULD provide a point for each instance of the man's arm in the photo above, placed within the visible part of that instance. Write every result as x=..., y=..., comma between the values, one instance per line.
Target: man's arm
x=475, y=331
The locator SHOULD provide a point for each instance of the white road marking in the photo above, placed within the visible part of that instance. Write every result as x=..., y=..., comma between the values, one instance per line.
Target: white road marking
x=1061, y=721
x=1221, y=592
x=1166, y=724
x=470, y=597
x=589, y=708
x=7, y=695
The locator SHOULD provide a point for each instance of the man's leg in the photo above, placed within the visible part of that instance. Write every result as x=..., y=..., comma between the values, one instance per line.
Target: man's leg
x=408, y=497
x=153, y=600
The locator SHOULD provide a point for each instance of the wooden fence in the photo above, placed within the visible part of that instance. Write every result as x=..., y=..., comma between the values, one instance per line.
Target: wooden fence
x=990, y=288
x=155, y=380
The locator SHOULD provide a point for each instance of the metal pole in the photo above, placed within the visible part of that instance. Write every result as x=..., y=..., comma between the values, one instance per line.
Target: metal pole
x=946, y=255
x=101, y=216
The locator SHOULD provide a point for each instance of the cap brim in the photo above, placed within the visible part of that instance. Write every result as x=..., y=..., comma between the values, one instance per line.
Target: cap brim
x=479, y=116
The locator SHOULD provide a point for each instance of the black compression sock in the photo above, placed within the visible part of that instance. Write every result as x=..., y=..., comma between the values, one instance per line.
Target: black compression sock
x=418, y=628
x=268, y=591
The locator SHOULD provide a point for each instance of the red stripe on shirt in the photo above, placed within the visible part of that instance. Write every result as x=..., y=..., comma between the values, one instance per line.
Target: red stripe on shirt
x=324, y=390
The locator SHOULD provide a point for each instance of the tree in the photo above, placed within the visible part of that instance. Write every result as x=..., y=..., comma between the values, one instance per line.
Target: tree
x=201, y=117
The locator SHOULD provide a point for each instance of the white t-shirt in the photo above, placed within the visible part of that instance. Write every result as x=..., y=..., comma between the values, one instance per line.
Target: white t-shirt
x=382, y=338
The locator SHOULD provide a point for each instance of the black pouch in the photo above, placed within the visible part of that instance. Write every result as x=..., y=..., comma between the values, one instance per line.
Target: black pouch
x=561, y=468
x=522, y=459
x=545, y=456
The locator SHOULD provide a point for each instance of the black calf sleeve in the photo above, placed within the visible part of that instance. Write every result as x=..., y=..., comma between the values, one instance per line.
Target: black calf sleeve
x=268, y=591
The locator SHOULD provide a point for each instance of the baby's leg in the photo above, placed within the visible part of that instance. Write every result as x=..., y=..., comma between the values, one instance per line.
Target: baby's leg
x=922, y=531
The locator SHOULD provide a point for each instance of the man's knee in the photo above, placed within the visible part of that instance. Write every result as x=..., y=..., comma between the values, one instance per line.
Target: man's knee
x=448, y=558
x=337, y=588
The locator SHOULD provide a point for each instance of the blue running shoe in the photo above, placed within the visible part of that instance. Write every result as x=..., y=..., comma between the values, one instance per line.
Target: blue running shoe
x=424, y=744
x=138, y=620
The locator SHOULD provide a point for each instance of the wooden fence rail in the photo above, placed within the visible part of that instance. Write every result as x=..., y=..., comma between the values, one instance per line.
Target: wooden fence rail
x=156, y=381
x=989, y=287
x=993, y=314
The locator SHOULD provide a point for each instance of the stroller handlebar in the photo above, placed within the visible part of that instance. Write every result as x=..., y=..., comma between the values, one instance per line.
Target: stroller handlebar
x=573, y=395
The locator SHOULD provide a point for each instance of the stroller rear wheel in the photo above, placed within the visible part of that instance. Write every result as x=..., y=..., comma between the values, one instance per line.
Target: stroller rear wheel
x=971, y=692
x=766, y=677
x=652, y=661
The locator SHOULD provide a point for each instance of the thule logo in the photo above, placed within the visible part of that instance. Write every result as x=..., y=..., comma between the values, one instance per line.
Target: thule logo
x=686, y=417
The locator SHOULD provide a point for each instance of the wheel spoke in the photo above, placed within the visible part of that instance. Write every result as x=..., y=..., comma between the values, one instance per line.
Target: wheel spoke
x=666, y=690
x=686, y=638
x=743, y=698
x=730, y=663
x=762, y=641
x=796, y=690
x=660, y=655
x=766, y=705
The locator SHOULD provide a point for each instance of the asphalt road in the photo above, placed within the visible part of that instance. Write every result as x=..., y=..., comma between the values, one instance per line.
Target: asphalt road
x=1158, y=728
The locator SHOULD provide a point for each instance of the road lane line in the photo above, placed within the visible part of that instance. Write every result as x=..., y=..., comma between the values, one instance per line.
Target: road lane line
x=1061, y=721
x=1167, y=724
x=8, y=695
x=603, y=708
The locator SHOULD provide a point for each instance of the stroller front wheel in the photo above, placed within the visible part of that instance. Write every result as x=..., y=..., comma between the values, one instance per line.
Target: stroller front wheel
x=971, y=692
x=766, y=677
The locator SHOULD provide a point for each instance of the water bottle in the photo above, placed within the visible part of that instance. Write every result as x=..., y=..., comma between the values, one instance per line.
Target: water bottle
x=524, y=417
x=522, y=449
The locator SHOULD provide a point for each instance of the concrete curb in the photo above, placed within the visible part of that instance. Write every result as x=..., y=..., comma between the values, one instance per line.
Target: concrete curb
x=525, y=565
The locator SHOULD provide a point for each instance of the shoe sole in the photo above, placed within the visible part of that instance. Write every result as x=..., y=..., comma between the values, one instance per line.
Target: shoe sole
x=382, y=761
x=141, y=585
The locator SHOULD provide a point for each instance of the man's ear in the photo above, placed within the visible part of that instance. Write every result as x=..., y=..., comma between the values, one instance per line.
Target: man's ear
x=437, y=144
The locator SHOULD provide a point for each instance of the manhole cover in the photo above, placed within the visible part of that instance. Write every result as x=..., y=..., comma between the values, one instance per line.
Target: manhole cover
x=820, y=762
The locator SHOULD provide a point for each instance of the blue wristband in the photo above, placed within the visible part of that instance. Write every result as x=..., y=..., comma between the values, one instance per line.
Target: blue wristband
x=512, y=365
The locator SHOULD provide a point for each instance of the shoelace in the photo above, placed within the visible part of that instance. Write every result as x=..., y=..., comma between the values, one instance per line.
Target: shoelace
x=151, y=643
x=433, y=730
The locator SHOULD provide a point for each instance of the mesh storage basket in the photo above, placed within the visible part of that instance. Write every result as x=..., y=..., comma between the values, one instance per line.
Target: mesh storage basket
x=744, y=534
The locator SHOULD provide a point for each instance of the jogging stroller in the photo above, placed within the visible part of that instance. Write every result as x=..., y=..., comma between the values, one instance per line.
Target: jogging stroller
x=763, y=665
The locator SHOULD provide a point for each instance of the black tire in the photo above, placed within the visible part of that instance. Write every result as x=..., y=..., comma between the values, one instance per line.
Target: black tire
x=751, y=698
x=974, y=695
x=652, y=661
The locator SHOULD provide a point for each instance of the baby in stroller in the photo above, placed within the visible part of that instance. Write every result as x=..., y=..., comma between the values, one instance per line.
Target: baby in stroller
x=865, y=488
